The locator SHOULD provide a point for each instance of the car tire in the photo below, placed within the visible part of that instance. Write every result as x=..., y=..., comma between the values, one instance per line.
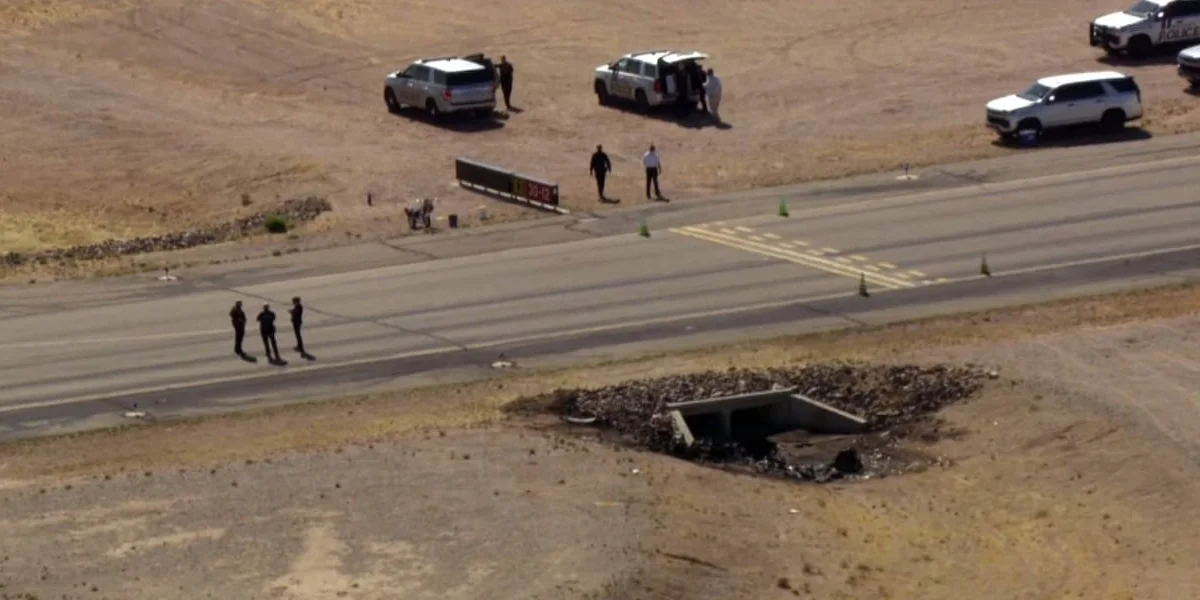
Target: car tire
x=602, y=94
x=431, y=109
x=1113, y=120
x=1028, y=124
x=1139, y=46
x=643, y=103
x=389, y=98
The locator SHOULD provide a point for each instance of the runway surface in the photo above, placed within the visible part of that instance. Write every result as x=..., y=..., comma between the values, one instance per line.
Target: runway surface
x=69, y=364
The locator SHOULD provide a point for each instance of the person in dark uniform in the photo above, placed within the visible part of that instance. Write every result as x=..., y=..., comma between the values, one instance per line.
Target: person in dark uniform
x=600, y=169
x=698, y=79
x=238, y=317
x=505, y=70
x=297, y=312
x=266, y=326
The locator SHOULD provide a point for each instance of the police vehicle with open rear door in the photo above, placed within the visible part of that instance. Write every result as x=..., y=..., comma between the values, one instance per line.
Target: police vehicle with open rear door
x=649, y=78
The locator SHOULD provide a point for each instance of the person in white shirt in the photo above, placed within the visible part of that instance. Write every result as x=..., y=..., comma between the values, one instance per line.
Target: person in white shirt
x=653, y=166
x=713, y=89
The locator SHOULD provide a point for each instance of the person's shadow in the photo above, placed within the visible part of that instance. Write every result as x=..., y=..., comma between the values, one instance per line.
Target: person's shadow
x=279, y=362
x=248, y=357
x=306, y=356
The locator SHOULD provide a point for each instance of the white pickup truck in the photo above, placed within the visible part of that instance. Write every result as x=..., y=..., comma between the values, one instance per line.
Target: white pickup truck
x=1148, y=23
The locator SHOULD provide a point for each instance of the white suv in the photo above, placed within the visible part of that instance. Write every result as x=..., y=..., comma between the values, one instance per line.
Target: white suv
x=445, y=84
x=648, y=78
x=1188, y=61
x=1105, y=97
x=1146, y=24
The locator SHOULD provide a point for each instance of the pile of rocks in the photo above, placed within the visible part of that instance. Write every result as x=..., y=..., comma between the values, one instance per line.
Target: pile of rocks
x=296, y=210
x=885, y=395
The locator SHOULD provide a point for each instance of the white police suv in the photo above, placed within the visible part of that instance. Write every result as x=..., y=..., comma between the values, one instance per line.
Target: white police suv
x=1148, y=23
x=648, y=78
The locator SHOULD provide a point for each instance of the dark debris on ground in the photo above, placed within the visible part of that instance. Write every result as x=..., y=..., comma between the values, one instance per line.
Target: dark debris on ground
x=887, y=396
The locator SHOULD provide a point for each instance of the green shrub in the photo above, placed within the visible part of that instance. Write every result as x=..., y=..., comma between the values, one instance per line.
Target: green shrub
x=275, y=224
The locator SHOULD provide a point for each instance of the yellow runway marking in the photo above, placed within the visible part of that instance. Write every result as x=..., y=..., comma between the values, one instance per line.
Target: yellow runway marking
x=756, y=238
x=916, y=273
x=785, y=245
x=872, y=268
x=829, y=250
x=791, y=256
x=771, y=236
x=728, y=232
x=745, y=229
x=800, y=243
x=887, y=265
x=859, y=257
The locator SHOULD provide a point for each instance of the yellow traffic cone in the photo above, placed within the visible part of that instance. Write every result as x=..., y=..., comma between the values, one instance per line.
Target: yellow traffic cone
x=862, y=286
x=983, y=267
x=644, y=230
x=783, y=209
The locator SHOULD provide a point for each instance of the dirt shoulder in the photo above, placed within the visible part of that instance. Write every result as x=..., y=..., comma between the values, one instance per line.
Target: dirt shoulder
x=135, y=117
x=1072, y=477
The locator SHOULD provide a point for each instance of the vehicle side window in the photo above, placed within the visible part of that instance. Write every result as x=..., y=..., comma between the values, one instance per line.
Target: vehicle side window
x=1079, y=91
x=628, y=65
x=1188, y=8
x=423, y=73
x=411, y=71
x=650, y=71
x=1124, y=86
x=439, y=77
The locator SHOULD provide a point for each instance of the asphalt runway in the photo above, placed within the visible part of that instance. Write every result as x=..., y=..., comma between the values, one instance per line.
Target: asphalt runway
x=76, y=364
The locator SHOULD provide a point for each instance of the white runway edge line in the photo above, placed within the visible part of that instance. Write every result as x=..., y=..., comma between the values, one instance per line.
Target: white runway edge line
x=580, y=331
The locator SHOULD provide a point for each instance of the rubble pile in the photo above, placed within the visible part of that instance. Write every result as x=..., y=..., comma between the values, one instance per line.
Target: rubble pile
x=294, y=211
x=885, y=395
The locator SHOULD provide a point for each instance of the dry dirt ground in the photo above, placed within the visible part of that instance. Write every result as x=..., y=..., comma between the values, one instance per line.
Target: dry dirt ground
x=125, y=117
x=1075, y=478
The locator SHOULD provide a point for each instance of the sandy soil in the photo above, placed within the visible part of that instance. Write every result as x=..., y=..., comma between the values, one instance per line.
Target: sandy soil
x=124, y=117
x=1074, y=478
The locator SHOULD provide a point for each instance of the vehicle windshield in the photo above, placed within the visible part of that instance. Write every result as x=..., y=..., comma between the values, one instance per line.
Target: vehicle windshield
x=1143, y=8
x=1036, y=91
x=470, y=77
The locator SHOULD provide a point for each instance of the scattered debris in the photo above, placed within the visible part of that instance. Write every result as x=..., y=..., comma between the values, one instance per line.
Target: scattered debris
x=889, y=397
x=294, y=210
x=133, y=414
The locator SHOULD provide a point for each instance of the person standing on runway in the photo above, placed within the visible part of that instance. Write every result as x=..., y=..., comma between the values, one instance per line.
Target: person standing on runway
x=238, y=317
x=266, y=327
x=297, y=312
x=600, y=168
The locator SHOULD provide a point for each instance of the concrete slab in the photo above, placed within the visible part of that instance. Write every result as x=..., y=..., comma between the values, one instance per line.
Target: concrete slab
x=757, y=415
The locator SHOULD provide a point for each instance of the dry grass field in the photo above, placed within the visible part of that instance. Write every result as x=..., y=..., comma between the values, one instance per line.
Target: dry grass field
x=1073, y=478
x=125, y=117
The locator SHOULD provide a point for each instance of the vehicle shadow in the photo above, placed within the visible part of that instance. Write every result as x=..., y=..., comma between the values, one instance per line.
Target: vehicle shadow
x=1086, y=135
x=1160, y=55
x=693, y=120
x=464, y=122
